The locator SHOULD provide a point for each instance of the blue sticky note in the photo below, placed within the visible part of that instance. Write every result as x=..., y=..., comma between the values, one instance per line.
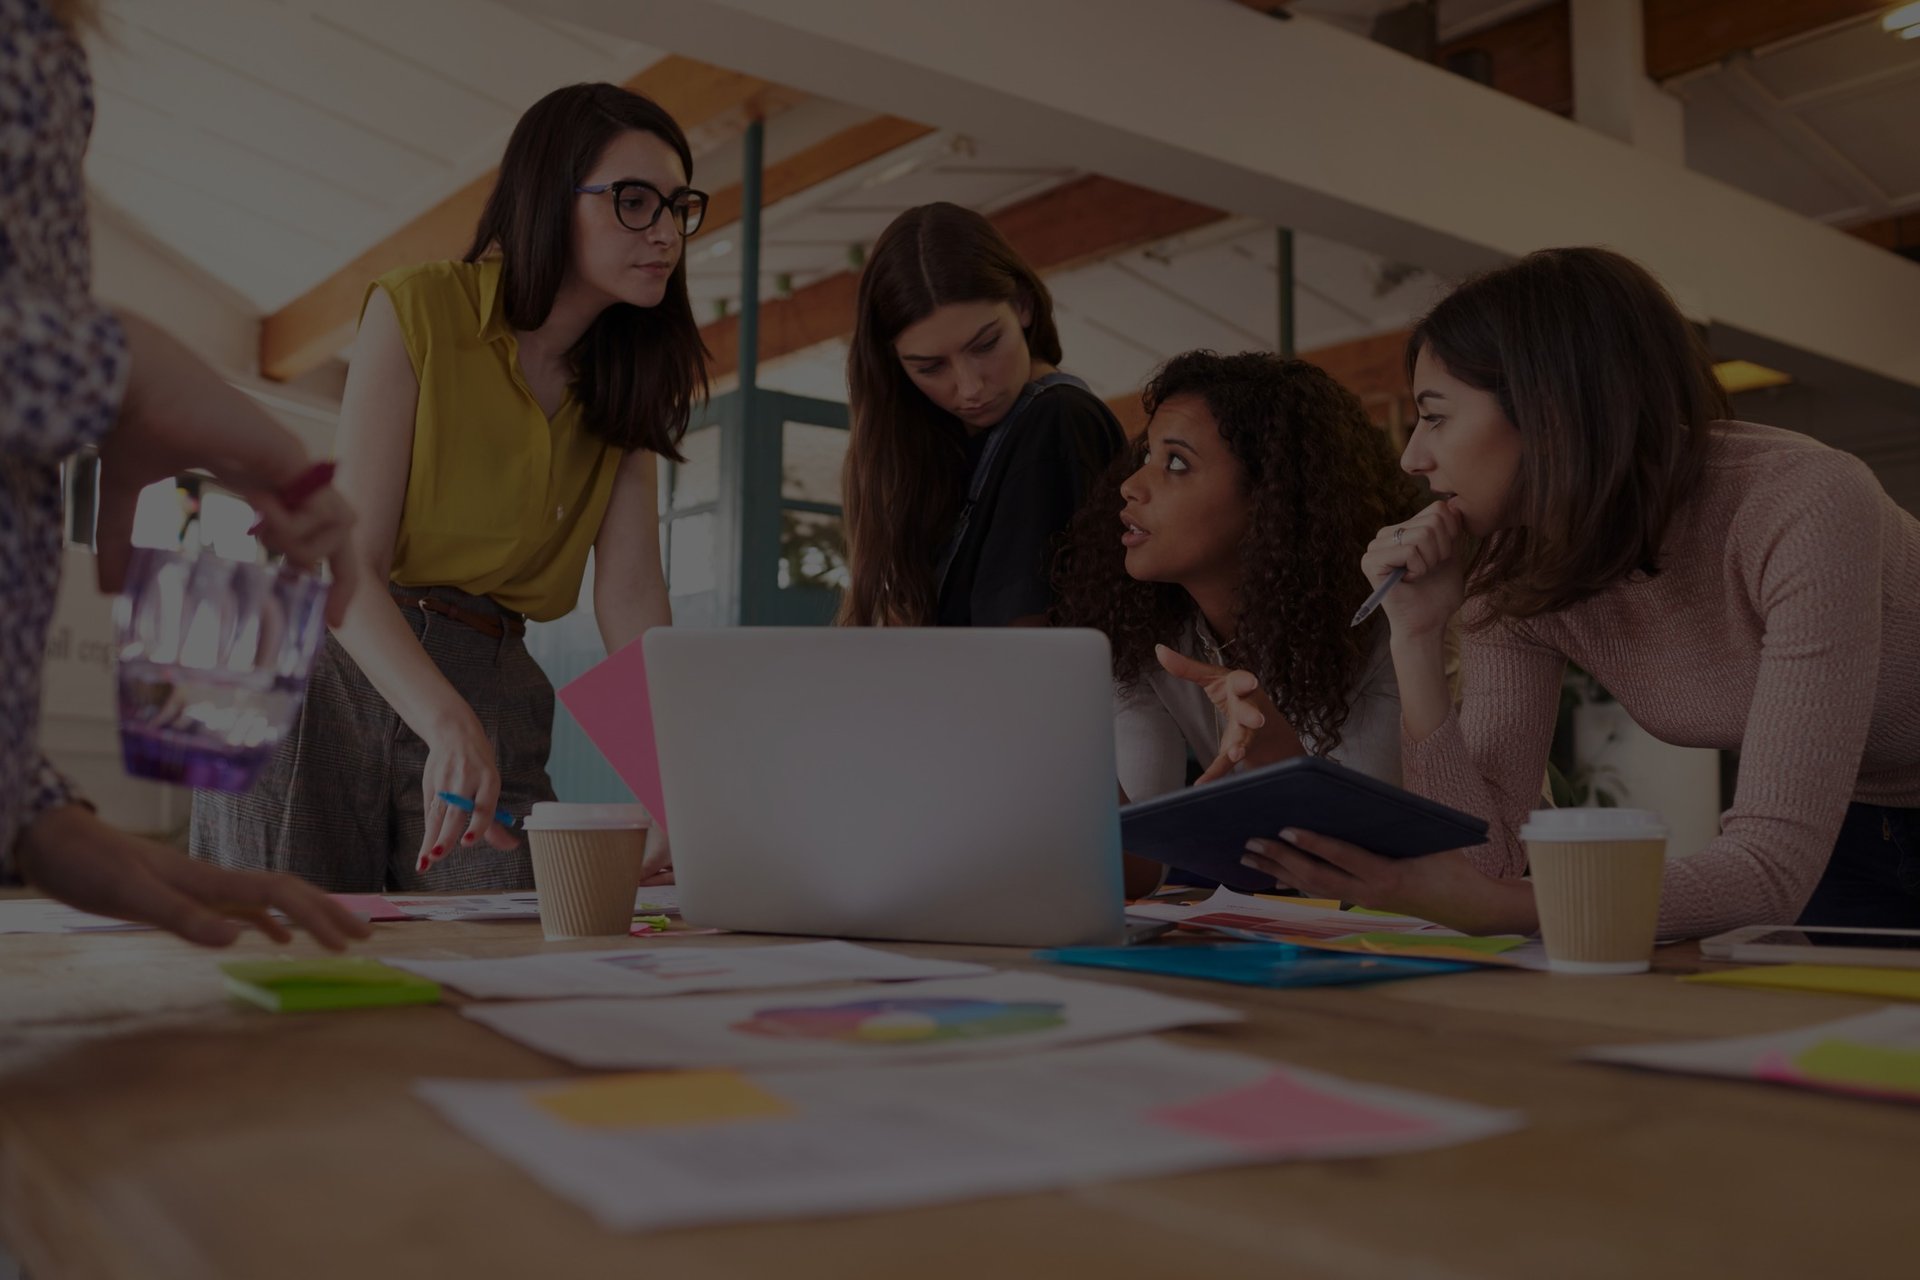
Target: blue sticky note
x=1255, y=964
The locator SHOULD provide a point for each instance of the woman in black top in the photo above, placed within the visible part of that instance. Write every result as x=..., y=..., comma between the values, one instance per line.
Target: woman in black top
x=970, y=450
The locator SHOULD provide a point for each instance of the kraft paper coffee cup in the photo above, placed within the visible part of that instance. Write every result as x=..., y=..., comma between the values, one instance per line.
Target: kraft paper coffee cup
x=1596, y=882
x=586, y=865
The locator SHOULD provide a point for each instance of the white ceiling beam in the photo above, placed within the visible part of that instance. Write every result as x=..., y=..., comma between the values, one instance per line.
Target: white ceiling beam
x=1299, y=124
x=1758, y=101
x=1611, y=91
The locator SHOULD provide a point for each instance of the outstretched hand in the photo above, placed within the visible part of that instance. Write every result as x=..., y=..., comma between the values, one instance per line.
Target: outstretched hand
x=70, y=854
x=1251, y=728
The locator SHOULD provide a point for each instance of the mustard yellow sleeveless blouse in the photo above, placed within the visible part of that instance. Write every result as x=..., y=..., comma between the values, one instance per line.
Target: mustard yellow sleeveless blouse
x=501, y=501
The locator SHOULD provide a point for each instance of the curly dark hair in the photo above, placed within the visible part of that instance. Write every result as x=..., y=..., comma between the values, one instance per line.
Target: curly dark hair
x=1321, y=479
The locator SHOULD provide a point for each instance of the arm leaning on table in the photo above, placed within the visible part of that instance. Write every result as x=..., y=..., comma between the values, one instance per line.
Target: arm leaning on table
x=166, y=411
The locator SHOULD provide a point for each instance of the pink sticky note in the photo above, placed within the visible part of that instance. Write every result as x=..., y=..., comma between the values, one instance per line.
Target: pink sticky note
x=612, y=706
x=1281, y=1115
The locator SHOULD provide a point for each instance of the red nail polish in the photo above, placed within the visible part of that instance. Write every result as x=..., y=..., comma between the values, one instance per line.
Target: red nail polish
x=437, y=851
x=467, y=838
x=422, y=864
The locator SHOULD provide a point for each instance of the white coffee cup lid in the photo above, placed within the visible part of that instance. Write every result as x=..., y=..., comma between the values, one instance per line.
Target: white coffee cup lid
x=555, y=815
x=1593, y=824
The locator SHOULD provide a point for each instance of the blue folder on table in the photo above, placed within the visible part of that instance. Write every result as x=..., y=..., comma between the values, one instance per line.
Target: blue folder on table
x=1254, y=964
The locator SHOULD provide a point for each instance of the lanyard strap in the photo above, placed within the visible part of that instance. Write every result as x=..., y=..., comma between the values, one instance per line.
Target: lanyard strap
x=983, y=469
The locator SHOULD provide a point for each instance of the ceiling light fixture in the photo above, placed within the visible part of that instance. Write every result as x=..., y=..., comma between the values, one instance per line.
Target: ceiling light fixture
x=898, y=169
x=1905, y=20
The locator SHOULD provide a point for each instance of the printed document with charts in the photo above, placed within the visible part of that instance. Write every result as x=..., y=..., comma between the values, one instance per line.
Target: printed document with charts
x=673, y=1149
x=1001, y=1014
x=664, y=971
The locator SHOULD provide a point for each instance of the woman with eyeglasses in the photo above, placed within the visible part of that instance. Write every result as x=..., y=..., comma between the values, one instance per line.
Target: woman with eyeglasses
x=502, y=417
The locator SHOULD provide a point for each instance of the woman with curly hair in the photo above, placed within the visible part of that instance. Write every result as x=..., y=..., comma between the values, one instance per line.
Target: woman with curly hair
x=1217, y=557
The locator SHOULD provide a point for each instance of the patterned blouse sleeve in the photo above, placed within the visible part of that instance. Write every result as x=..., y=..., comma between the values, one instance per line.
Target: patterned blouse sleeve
x=63, y=371
x=47, y=788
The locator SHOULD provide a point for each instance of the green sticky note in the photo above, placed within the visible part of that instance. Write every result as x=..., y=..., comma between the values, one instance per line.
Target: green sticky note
x=1848, y=1064
x=1428, y=942
x=334, y=982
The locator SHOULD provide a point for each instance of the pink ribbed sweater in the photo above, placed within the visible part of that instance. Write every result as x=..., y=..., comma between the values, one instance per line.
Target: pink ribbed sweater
x=1785, y=622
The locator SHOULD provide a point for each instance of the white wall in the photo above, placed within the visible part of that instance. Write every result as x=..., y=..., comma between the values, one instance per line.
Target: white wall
x=1681, y=784
x=133, y=271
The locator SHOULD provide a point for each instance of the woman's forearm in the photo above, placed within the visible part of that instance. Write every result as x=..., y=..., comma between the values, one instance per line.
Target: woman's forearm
x=376, y=634
x=1420, y=667
x=623, y=616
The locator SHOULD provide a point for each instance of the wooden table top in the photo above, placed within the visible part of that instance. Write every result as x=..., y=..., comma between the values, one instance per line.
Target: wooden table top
x=151, y=1127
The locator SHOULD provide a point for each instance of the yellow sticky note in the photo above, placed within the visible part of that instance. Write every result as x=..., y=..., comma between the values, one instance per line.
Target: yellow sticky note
x=646, y=1100
x=1851, y=1065
x=1883, y=984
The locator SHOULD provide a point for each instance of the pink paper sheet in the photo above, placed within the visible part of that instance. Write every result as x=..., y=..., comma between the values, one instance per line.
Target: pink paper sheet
x=1282, y=1115
x=613, y=708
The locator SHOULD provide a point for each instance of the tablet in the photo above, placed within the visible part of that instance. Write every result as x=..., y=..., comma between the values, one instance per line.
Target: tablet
x=1797, y=944
x=1205, y=829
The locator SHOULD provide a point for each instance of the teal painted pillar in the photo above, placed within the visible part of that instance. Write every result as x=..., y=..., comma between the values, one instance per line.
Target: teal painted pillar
x=756, y=560
x=1285, y=263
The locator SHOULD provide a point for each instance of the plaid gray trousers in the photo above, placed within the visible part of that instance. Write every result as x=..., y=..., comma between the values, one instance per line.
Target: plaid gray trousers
x=340, y=804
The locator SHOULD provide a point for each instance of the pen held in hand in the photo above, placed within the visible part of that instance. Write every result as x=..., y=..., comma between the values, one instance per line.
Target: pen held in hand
x=1379, y=594
x=465, y=805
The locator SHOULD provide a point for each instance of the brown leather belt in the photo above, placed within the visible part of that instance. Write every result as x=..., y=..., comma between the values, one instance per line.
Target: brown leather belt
x=491, y=625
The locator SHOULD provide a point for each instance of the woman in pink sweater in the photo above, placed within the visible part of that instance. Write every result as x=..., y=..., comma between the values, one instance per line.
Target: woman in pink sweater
x=1734, y=586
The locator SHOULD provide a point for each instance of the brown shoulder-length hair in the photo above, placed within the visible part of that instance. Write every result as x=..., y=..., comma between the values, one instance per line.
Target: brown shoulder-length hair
x=1612, y=391
x=636, y=370
x=905, y=472
x=1320, y=480
x=79, y=17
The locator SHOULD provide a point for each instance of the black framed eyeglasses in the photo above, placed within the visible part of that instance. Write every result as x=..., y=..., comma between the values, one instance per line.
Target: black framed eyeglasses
x=638, y=205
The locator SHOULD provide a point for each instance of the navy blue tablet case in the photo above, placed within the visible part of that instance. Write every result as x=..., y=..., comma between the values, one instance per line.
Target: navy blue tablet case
x=1206, y=829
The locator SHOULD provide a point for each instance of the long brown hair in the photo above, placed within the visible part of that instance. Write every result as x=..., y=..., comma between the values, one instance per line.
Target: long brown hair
x=1319, y=478
x=77, y=16
x=906, y=457
x=636, y=370
x=1612, y=391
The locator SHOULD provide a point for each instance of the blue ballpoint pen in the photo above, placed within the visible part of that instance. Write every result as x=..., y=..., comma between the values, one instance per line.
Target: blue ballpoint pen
x=1379, y=594
x=465, y=805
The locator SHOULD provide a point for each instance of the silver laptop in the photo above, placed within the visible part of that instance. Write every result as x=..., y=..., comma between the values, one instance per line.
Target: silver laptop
x=941, y=785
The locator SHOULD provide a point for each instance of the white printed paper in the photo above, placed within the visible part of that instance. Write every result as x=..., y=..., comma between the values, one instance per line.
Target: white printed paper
x=1257, y=919
x=660, y=900
x=1874, y=1054
x=946, y=1018
x=672, y=1150
x=665, y=971
x=1257, y=915
x=44, y=915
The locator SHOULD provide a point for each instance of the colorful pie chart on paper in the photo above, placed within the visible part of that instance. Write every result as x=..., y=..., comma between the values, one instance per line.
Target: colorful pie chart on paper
x=905, y=1021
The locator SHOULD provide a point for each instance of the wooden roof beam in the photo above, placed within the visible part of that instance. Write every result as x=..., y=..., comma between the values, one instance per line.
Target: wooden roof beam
x=1077, y=222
